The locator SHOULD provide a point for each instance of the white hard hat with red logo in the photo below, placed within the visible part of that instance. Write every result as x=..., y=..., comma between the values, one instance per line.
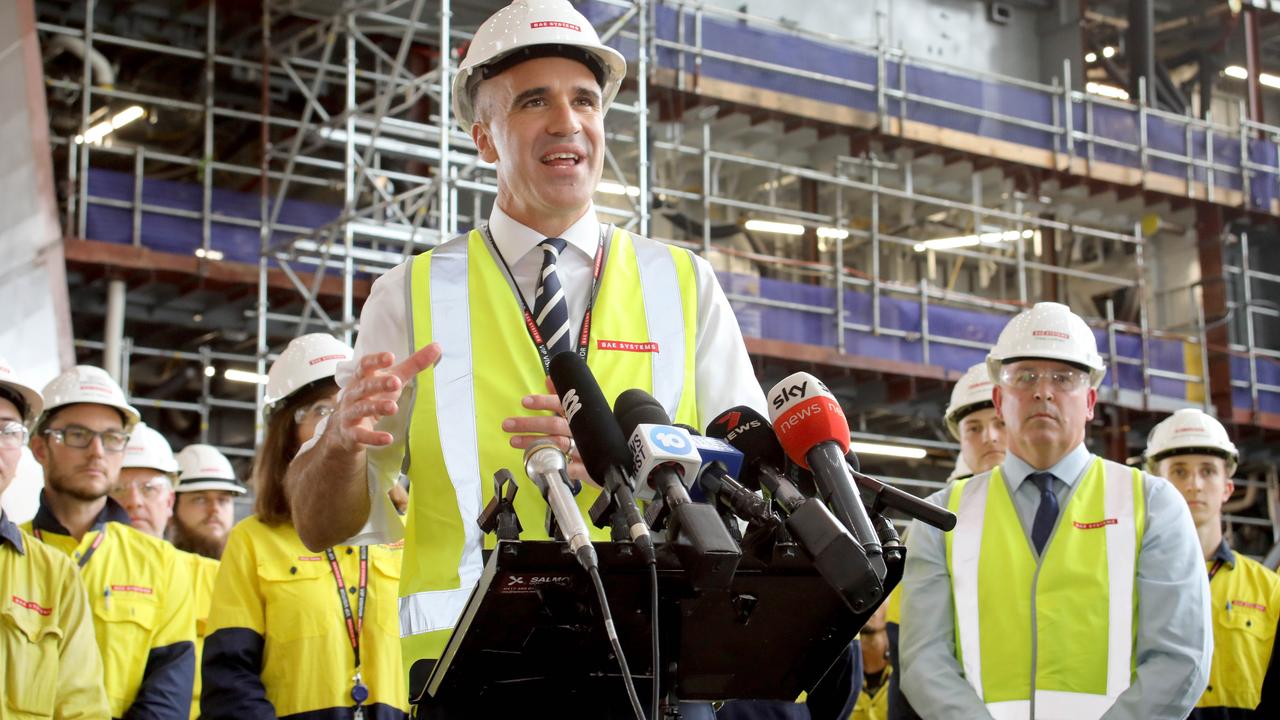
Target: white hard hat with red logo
x=1048, y=331
x=307, y=359
x=13, y=383
x=202, y=467
x=85, y=384
x=148, y=449
x=971, y=394
x=1190, y=432
x=554, y=27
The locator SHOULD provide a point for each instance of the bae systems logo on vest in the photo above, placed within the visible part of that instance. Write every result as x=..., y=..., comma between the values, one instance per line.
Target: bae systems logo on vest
x=1095, y=525
x=23, y=603
x=571, y=404
x=624, y=346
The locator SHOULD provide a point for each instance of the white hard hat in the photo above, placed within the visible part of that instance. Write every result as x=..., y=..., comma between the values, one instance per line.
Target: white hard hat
x=307, y=358
x=13, y=382
x=971, y=393
x=1048, y=331
x=87, y=384
x=1190, y=431
x=961, y=470
x=147, y=448
x=526, y=24
x=202, y=467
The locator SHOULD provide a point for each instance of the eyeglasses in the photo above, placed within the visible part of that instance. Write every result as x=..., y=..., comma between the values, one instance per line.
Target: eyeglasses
x=148, y=490
x=80, y=437
x=1062, y=380
x=320, y=409
x=12, y=435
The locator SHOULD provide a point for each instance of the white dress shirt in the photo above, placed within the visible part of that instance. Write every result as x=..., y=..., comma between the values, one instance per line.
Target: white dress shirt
x=724, y=375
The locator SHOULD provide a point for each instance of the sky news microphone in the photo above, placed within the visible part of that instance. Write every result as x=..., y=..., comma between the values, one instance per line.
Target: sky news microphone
x=602, y=446
x=717, y=483
x=813, y=431
x=666, y=460
x=547, y=466
x=837, y=556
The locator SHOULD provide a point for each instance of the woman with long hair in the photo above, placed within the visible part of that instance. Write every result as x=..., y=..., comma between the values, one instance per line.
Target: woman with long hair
x=293, y=631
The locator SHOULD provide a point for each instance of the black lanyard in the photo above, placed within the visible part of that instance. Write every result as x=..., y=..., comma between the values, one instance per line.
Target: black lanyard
x=354, y=623
x=84, y=559
x=530, y=324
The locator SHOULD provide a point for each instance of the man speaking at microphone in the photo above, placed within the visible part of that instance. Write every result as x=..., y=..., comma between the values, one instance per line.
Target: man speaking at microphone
x=1072, y=587
x=449, y=380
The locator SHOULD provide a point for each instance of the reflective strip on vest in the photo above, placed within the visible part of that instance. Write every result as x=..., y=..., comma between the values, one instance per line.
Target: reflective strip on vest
x=472, y=313
x=1120, y=522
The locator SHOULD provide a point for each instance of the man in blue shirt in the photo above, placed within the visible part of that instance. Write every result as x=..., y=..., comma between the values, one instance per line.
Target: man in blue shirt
x=1072, y=587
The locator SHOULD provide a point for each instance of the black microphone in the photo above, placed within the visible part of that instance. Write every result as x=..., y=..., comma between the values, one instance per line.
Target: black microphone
x=718, y=483
x=837, y=556
x=883, y=495
x=665, y=457
x=602, y=446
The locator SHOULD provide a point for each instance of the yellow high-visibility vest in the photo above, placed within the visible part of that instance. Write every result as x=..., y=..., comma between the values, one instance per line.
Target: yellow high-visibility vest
x=1049, y=637
x=643, y=335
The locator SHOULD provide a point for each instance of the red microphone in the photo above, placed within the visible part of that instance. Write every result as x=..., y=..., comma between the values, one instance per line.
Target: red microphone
x=815, y=434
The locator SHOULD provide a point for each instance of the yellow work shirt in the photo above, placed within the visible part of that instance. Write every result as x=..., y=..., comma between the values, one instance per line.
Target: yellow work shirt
x=874, y=704
x=1244, y=679
x=48, y=658
x=278, y=644
x=143, y=617
x=203, y=572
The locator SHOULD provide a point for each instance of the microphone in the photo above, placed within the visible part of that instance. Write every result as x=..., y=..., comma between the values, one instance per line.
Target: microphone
x=546, y=465
x=721, y=463
x=602, y=446
x=666, y=460
x=837, y=556
x=813, y=431
x=884, y=495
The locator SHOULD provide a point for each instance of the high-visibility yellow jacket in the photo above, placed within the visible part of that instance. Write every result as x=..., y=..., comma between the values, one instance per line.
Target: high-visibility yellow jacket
x=643, y=335
x=874, y=704
x=49, y=661
x=1244, y=680
x=277, y=643
x=143, y=616
x=203, y=571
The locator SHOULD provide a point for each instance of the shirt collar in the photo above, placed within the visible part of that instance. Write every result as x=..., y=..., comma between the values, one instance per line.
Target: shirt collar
x=1069, y=469
x=45, y=521
x=515, y=240
x=10, y=533
x=1224, y=553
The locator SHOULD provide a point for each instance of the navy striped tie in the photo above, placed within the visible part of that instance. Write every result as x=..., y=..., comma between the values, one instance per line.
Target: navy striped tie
x=550, y=309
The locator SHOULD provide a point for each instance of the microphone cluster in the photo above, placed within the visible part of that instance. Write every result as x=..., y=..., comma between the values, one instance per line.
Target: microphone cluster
x=790, y=477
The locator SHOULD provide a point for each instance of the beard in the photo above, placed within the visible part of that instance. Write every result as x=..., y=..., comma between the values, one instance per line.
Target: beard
x=64, y=484
x=193, y=541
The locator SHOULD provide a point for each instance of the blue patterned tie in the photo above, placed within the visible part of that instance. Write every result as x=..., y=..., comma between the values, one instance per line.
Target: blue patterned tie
x=550, y=309
x=1047, y=513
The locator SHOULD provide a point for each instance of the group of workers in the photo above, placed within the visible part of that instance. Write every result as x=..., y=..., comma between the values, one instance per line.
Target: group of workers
x=1072, y=586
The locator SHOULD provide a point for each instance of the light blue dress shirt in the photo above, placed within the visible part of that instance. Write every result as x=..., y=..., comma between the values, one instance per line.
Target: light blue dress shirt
x=1174, y=627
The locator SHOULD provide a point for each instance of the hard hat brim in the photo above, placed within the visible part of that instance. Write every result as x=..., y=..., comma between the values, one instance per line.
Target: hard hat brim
x=198, y=485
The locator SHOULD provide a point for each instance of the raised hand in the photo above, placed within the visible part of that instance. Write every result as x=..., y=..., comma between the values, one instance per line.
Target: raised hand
x=374, y=393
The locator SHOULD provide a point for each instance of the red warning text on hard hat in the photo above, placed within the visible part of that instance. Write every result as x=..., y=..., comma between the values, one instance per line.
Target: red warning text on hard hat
x=1050, y=333
x=325, y=358
x=555, y=23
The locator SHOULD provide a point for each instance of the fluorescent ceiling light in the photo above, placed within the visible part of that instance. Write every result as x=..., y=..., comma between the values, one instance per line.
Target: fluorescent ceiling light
x=208, y=254
x=1108, y=51
x=830, y=233
x=775, y=227
x=244, y=376
x=1110, y=91
x=95, y=134
x=988, y=238
x=1239, y=73
x=613, y=188
x=1091, y=57
x=866, y=448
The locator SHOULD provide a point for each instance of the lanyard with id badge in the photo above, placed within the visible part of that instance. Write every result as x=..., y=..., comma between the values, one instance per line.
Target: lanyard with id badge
x=354, y=622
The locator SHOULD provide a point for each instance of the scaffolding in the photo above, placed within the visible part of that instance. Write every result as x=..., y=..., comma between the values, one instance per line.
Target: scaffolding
x=369, y=135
